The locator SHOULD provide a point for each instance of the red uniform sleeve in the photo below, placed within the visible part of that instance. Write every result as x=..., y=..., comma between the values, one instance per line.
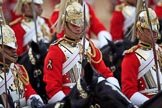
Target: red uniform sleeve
x=116, y=25
x=19, y=33
x=158, y=10
x=101, y=67
x=29, y=91
x=129, y=75
x=54, y=16
x=53, y=70
x=47, y=21
x=95, y=25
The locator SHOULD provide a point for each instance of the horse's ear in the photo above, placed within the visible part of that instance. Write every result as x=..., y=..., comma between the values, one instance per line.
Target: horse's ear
x=88, y=73
x=34, y=46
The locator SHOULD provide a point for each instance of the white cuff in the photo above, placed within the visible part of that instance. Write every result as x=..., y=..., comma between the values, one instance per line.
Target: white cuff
x=103, y=36
x=1, y=106
x=35, y=96
x=57, y=97
x=113, y=81
x=138, y=98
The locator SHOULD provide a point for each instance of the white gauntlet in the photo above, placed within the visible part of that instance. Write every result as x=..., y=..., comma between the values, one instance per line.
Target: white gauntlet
x=113, y=81
x=103, y=36
x=138, y=98
x=35, y=99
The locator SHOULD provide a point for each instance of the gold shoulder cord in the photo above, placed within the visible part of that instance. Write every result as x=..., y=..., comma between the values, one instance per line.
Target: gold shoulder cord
x=93, y=54
x=159, y=55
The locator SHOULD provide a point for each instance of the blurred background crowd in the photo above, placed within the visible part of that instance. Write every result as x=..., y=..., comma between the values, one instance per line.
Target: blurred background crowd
x=103, y=8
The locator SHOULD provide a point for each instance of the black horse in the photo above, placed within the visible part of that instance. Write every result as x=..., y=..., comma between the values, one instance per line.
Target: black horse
x=159, y=41
x=154, y=102
x=113, y=54
x=93, y=91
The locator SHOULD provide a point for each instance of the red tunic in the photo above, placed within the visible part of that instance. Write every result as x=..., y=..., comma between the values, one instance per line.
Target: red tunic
x=25, y=27
x=122, y=20
x=129, y=75
x=158, y=10
x=130, y=71
x=53, y=69
x=19, y=33
x=116, y=25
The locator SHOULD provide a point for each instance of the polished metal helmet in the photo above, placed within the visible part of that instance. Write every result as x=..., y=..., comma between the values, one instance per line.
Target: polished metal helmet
x=74, y=14
x=19, y=4
x=9, y=38
x=142, y=20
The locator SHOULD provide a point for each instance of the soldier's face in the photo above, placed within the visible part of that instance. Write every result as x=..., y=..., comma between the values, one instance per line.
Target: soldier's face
x=28, y=9
x=9, y=54
x=146, y=36
x=73, y=31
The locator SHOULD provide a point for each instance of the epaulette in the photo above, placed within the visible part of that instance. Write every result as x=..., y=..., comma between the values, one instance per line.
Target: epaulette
x=132, y=49
x=119, y=7
x=15, y=21
x=57, y=41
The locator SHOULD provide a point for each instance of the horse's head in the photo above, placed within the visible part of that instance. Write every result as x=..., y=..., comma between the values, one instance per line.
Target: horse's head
x=113, y=55
x=39, y=51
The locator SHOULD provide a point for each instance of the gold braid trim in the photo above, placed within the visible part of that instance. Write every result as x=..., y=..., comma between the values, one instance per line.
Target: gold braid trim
x=93, y=49
x=93, y=54
x=20, y=75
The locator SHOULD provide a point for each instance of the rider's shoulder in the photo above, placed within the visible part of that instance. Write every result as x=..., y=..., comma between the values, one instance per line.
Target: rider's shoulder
x=131, y=50
x=56, y=42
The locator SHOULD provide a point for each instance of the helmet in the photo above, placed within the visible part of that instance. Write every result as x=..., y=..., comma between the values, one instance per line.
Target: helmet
x=9, y=38
x=19, y=4
x=142, y=20
x=74, y=14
